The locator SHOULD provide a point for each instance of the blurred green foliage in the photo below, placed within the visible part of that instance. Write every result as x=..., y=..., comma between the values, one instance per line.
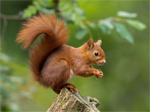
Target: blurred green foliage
x=125, y=85
x=10, y=84
x=72, y=13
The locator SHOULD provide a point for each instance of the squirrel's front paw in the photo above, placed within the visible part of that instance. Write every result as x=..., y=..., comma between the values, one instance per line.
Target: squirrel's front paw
x=98, y=73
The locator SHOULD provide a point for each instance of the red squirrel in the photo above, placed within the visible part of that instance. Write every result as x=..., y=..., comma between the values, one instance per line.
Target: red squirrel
x=52, y=62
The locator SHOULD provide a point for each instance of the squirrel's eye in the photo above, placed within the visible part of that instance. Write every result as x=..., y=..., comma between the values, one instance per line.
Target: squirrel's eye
x=96, y=53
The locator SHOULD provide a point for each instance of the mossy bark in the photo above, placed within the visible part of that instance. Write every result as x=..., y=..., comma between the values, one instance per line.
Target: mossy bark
x=73, y=102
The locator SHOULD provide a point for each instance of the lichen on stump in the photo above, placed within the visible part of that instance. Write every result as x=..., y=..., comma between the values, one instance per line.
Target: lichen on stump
x=68, y=101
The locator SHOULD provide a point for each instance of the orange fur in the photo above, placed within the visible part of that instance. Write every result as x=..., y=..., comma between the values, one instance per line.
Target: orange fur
x=55, y=32
x=51, y=60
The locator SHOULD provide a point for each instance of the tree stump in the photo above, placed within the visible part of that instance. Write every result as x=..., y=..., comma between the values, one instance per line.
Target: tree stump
x=68, y=101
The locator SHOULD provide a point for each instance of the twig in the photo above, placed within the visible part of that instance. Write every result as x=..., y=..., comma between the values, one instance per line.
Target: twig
x=3, y=29
x=14, y=17
x=56, y=7
x=5, y=18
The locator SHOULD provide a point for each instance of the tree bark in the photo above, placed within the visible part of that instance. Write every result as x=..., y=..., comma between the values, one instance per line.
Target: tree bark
x=68, y=101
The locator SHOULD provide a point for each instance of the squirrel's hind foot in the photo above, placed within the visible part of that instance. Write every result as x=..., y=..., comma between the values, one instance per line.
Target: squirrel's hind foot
x=71, y=87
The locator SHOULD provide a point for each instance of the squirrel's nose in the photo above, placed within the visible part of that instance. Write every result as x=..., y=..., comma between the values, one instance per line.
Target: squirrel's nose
x=103, y=61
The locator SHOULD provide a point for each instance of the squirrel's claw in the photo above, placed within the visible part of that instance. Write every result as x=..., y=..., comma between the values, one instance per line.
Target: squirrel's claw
x=99, y=74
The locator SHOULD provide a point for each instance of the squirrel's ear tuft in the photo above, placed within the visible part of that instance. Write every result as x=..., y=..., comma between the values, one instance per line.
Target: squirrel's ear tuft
x=90, y=43
x=99, y=42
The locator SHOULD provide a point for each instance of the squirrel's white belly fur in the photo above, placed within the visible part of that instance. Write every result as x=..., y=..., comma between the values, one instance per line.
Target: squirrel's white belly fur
x=71, y=76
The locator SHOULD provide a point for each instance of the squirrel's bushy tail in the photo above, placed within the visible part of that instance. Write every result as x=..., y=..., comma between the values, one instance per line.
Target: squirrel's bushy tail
x=55, y=35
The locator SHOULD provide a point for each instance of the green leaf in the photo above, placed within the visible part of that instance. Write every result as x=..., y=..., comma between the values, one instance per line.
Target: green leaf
x=4, y=92
x=106, y=26
x=136, y=24
x=92, y=25
x=5, y=57
x=42, y=2
x=12, y=85
x=3, y=68
x=26, y=94
x=37, y=4
x=27, y=12
x=47, y=11
x=74, y=17
x=123, y=32
x=45, y=3
x=81, y=32
x=126, y=14
x=79, y=11
x=14, y=107
x=17, y=79
x=33, y=9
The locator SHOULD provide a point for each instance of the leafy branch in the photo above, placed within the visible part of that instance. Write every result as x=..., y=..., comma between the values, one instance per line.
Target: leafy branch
x=73, y=14
x=119, y=24
x=70, y=11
